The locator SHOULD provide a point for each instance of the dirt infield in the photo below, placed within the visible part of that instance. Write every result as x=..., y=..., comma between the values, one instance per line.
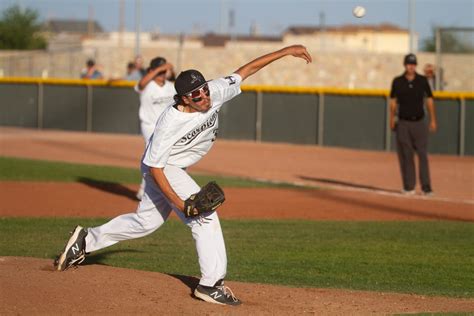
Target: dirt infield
x=83, y=200
x=81, y=291
x=363, y=187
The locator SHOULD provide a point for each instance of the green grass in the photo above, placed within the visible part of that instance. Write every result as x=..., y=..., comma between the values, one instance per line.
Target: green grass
x=17, y=169
x=429, y=258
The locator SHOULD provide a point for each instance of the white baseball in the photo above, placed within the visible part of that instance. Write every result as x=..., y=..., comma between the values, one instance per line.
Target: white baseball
x=358, y=11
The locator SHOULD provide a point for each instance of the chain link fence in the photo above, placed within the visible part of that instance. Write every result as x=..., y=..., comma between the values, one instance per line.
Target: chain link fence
x=65, y=63
x=452, y=41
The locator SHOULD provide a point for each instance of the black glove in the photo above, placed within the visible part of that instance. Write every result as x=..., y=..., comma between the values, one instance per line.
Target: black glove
x=208, y=199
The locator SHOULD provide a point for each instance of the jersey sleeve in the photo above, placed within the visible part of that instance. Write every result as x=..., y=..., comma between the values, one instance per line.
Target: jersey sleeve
x=393, y=90
x=225, y=88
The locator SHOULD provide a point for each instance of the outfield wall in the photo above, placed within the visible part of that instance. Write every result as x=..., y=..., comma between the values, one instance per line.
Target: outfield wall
x=323, y=116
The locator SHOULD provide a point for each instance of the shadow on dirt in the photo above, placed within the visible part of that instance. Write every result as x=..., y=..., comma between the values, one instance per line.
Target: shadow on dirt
x=110, y=187
x=347, y=184
x=421, y=210
x=189, y=281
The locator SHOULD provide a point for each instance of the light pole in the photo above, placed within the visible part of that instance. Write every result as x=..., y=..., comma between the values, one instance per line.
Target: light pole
x=121, y=23
x=322, y=30
x=411, y=25
x=137, y=27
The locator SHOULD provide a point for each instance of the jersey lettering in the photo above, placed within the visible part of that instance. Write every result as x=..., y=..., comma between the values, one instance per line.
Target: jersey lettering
x=231, y=80
x=188, y=138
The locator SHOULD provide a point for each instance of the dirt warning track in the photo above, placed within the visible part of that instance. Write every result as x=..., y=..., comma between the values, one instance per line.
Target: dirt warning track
x=346, y=169
x=86, y=200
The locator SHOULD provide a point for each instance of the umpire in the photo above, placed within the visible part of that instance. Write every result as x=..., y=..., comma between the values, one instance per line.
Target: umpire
x=407, y=97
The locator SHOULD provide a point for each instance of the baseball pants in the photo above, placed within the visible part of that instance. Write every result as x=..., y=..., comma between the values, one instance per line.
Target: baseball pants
x=413, y=137
x=152, y=212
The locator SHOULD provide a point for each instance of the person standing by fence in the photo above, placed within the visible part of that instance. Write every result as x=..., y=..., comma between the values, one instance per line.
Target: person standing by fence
x=91, y=71
x=408, y=95
x=156, y=94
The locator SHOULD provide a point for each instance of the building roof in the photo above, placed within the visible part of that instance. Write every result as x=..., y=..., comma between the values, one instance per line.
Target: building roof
x=219, y=40
x=72, y=26
x=347, y=28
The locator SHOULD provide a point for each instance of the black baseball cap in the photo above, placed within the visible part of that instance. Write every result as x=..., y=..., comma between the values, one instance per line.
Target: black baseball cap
x=188, y=81
x=157, y=62
x=410, y=59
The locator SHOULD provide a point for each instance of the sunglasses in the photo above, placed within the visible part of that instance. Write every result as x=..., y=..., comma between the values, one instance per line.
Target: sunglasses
x=196, y=94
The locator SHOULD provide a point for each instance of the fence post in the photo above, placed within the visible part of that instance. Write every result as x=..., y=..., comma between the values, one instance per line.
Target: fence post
x=388, y=131
x=258, y=121
x=40, y=114
x=89, y=109
x=321, y=120
x=462, y=126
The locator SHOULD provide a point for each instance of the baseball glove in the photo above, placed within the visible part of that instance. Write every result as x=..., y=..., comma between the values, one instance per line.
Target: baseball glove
x=209, y=198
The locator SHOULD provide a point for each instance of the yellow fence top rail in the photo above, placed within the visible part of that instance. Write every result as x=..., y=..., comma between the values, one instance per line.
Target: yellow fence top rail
x=68, y=82
x=249, y=88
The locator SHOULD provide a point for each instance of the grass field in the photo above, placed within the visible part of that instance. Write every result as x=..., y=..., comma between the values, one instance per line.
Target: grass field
x=17, y=169
x=430, y=258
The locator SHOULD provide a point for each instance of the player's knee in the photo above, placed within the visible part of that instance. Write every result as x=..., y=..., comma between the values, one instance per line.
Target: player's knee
x=150, y=221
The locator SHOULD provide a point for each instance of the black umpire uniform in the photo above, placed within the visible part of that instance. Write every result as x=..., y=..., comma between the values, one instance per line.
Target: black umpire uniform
x=410, y=92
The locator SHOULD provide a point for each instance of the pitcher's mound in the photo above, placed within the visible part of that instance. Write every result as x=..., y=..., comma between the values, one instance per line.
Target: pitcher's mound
x=30, y=286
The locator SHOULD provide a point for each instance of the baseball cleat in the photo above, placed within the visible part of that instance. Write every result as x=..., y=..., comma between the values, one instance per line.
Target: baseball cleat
x=428, y=193
x=218, y=294
x=74, y=252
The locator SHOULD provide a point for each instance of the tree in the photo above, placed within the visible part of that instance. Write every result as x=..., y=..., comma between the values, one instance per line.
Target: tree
x=20, y=29
x=451, y=42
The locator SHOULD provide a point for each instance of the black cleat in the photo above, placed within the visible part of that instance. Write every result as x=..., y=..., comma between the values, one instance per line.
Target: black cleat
x=218, y=294
x=74, y=252
x=427, y=191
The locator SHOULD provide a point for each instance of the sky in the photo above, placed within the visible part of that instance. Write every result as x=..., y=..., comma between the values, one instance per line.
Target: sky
x=271, y=16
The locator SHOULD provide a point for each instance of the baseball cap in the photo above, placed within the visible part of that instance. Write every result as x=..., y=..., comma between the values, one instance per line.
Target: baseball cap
x=410, y=59
x=157, y=62
x=188, y=81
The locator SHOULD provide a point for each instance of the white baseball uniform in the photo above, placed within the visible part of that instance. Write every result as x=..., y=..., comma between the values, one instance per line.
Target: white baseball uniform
x=154, y=99
x=179, y=141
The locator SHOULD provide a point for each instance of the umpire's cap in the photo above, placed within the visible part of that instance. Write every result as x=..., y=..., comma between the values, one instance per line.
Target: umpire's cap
x=188, y=81
x=410, y=59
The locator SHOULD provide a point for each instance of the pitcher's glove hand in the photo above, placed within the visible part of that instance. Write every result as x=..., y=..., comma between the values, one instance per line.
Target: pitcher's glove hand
x=208, y=199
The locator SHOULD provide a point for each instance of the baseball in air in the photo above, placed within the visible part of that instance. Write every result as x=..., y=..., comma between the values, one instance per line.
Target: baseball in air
x=358, y=11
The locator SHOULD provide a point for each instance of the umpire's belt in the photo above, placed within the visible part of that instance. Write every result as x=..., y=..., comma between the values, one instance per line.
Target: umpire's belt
x=411, y=118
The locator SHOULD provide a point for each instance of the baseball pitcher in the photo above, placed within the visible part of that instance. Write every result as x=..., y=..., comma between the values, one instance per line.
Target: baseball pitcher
x=184, y=133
